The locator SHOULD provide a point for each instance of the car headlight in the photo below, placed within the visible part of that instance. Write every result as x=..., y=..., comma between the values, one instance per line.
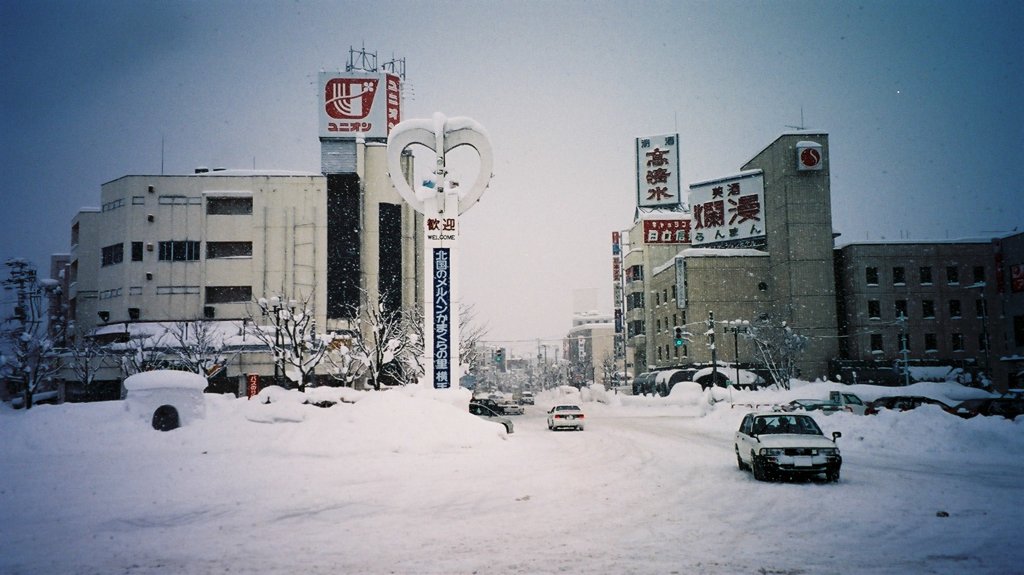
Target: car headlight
x=772, y=451
x=829, y=451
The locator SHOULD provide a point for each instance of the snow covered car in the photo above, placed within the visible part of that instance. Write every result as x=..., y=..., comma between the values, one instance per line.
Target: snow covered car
x=526, y=398
x=902, y=403
x=489, y=414
x=561, y=416
x=773, y=445
x=511, y=408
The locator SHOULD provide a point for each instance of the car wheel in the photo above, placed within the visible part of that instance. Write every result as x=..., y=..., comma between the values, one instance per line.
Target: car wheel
x=739, y=462
x=832, y=475
x=760, y=473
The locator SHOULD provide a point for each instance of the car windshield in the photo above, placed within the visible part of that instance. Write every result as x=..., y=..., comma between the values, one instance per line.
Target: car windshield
x=799, y=424
x=566, y=408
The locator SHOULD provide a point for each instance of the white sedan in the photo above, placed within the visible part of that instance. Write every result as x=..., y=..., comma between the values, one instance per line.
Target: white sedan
x=776, y=444
x=561, y=416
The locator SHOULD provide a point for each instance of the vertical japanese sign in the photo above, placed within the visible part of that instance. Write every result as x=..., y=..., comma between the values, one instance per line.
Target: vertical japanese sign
x=657, y=170
x=727, y=209
x=681, y=283
x=252, y=387
x=441, y=353
x=617, y=279
x=359, y=104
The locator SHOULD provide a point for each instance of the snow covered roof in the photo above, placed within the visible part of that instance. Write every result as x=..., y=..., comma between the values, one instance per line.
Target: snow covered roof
x=720, y=253
x=736, y=176
x=165, y=379
x=904, y=241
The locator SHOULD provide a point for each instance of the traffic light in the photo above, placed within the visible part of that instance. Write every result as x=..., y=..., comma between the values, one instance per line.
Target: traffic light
x=499, y=356
x=679, y=336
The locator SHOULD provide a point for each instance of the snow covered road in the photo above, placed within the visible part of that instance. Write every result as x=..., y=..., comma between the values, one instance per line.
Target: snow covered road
x=85, y=489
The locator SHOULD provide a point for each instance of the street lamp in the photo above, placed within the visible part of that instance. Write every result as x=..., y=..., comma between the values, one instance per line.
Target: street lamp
x=984, y=323
x=736, y=331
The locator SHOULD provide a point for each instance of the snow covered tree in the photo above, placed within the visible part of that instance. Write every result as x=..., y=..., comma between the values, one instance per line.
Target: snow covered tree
x=200, y=347
x=470, y=334
x=292, y=338
x=344, y=364
x=28, y=360
x=142, y=351
x=86, y=356
x=388, y=345
x=778, y=347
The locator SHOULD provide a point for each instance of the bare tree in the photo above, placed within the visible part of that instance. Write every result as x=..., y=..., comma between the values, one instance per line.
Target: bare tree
x=471, y=333
x=86, y=357
x=30, y=361
x=143, y=350
x=292, y=337
x=388, y=342
x=778, y=347
x=200, y=347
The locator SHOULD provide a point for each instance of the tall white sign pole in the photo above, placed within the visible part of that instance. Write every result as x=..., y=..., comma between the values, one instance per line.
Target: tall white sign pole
x=441, y=208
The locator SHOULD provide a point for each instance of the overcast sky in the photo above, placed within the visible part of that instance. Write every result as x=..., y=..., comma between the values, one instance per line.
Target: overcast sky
x=922, y=102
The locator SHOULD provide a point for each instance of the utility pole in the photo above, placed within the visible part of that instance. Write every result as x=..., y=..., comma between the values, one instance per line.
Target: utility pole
x=903, y=348
x=714, y=353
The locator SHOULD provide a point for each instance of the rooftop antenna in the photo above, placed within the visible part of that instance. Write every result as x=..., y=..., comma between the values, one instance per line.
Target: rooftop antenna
x=802, y=126
x=361, y=60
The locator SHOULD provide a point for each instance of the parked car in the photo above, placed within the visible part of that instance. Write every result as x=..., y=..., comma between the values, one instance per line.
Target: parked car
x=489, y=414
x=1007, y=407
x=499, y=406
x=847, y=401
x=561, y=416
x=773, y=445
x=902, y=403
x=826, y=407
x=526, y=398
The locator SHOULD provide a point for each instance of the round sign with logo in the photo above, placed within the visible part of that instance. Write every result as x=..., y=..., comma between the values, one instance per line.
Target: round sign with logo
x=809, y=156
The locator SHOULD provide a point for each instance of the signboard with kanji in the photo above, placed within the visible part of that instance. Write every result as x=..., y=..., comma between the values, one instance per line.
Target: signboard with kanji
x=359, y=104
x=657, y=170
x=727, y=209
x=660, y=231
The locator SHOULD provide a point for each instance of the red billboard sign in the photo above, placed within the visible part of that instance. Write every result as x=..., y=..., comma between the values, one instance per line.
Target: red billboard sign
x=674, y=231
x=252, y=385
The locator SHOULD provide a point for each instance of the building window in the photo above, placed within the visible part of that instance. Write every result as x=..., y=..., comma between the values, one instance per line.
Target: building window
x=901, y=308
x=899, y=276
x=74, y=234
x=954, y=308
x=657, y=325
x=229, y=206
x=979, y=274
x=216, y=250
x=179, y=201
x=111, y=255
x=136, y=251
x=874, y=309
x=634, y=300
x=228, y=294
x=876, y=343
x=871, y=276
x=926, y=275
x=1018, y=330
x=931, y=342
x=113, y=205
x=635, y=273
x=952, y=275
x=982, y=343
x=179, y=251
x=657, y=299
x=928, y=309
x=659, y=354
x=957, y=341
x=177, y=290
x=135, y=290
x=979, y=308
x=138, y=200
x=675, y=293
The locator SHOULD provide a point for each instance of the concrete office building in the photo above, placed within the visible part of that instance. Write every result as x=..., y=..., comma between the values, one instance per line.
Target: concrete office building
x=946, y=303
x=756, y=245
